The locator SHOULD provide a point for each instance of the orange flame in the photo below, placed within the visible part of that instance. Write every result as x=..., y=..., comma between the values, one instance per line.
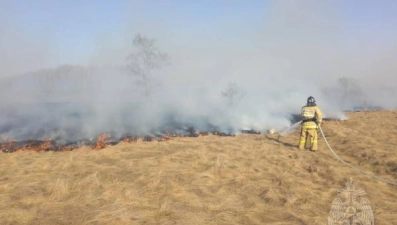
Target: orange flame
x=101, y=142
x=130, y=139
x=45, y=146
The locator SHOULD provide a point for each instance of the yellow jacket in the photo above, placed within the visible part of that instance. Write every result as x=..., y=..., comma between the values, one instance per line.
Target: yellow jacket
x=311, y=116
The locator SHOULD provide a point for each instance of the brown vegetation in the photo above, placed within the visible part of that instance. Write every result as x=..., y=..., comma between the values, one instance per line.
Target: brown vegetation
x=246, y=179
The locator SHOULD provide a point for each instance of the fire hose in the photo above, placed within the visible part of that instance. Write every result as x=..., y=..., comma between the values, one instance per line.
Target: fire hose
x=291, y=128
x=295, y=125
x=351, y=166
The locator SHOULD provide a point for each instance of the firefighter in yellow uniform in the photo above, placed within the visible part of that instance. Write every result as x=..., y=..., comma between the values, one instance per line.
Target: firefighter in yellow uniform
x=311, y=119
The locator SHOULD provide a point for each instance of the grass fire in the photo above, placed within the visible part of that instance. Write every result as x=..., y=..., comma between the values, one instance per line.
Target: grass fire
x=203, y=179
x=198, y=112
x=8, y=145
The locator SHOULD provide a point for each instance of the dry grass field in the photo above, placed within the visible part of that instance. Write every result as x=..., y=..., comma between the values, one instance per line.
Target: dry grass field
x=247, y=179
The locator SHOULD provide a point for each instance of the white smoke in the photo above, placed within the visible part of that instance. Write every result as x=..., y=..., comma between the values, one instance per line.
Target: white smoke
x=300, y=49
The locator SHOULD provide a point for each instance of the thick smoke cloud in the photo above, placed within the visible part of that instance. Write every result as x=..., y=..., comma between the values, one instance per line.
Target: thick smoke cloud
x=300, y=49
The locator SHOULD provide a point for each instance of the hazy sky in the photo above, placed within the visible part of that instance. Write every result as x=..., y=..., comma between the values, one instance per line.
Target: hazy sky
x=71, y=31
x=279, y=52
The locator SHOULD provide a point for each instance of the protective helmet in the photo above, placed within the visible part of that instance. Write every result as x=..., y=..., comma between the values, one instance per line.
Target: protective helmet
x=311, y=100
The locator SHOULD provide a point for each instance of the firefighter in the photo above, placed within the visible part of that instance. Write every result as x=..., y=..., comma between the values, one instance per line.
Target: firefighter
x=311, y=119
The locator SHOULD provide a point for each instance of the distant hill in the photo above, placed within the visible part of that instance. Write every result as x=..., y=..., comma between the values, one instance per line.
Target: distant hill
x=64, y=83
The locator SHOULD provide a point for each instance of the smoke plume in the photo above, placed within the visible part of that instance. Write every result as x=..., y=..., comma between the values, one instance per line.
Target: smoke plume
x=225, y=77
